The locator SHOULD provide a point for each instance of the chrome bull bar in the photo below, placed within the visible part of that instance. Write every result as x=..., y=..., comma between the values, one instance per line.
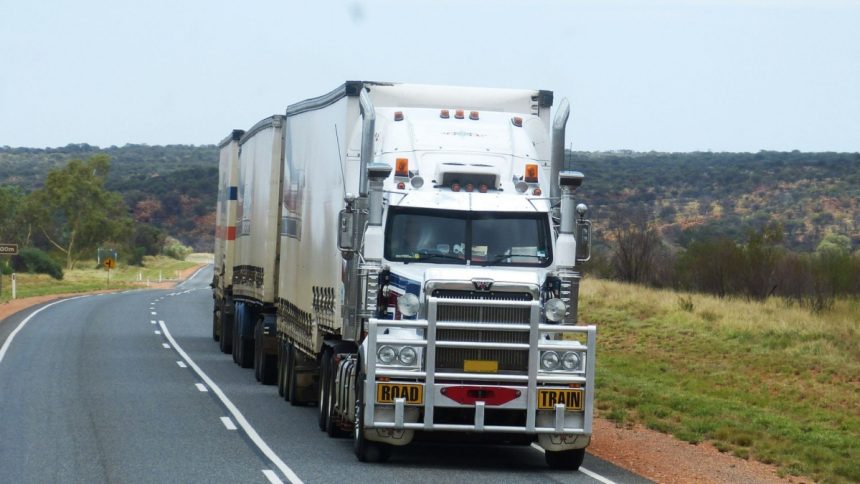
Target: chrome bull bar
x=528, y=382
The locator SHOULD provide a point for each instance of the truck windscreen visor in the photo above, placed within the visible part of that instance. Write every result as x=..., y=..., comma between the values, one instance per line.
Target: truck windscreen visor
x=454, y=237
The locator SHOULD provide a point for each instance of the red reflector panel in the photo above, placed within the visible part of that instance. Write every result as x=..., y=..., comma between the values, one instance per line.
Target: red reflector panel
x=468, y=395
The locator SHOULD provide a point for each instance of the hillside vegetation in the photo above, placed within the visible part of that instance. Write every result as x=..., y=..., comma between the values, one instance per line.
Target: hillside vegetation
x=761, y=380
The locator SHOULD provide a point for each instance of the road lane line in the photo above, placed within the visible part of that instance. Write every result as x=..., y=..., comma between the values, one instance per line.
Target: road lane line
x=151, y=321
x=166, y=346
x=591, y=474
x=201, y=387
x=272, y=476
x=157, y=332
x=24, y=323
x=152, y=313
x=240, y=419
x=228, y=423
x=181, y=364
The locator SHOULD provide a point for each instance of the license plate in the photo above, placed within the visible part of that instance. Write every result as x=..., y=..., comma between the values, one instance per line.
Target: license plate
x=571, y=398
x=480, y=366
x=411, y=392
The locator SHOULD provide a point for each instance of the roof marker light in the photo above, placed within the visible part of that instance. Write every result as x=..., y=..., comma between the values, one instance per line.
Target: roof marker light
x=459, y=114
x=518, y=121
x=531, y=173
x=444, y=114
x=469, y=187
x=455, y=187
x=398, y=115
x=482, y=188
x=401, y=167
x=474, y=116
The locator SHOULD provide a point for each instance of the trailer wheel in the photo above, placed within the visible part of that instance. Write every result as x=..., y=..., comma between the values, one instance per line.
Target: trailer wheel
x=226, y=340
x=285, y=369
x=322, y=405
x=258, y=351
x=565, y=459
x=216, y=322
x=292, y=379
x=237, y=343
x=246, y=358
x=365, y=450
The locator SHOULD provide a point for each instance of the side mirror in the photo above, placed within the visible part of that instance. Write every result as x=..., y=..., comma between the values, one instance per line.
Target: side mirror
x=346, y=230
x=583, y=234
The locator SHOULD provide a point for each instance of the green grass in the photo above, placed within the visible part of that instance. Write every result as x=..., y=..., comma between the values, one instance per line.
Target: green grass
x=763, y=381
x=88, y=278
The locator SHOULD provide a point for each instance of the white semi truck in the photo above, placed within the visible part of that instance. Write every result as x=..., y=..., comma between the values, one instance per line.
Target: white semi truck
x=427, y=268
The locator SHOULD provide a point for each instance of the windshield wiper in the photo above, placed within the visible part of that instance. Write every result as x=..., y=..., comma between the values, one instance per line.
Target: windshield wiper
x=502, y=257
x=432, y=255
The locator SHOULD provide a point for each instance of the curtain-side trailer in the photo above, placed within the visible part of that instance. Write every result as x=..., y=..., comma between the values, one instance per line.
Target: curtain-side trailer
x=225, y=237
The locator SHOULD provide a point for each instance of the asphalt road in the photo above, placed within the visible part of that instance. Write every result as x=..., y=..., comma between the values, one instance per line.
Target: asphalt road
x=130, y=387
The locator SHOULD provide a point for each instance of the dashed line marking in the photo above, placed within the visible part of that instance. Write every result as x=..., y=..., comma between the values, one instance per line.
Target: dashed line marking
x=151, y=321
x=228, y=423
x=234, y=411
x=157, y=332
x=272, y=477
x=201, y=387
x=591, y=474
x=181, y=364
x=153, y=313
x=166, y=346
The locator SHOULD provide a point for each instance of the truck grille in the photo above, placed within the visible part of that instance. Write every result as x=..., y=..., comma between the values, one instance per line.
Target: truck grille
x=452, y=359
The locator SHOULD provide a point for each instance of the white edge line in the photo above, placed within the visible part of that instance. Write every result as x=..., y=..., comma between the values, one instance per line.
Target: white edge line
x=272, y=477
x=24, y=323
x=585, y=471
x=234, y=411
x=192, y=276
x=228, y=423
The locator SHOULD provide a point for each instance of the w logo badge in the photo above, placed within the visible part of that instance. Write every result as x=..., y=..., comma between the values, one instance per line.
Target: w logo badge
x=482, y=284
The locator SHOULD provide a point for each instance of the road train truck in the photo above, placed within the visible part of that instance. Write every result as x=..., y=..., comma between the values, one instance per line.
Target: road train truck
x=426, y=268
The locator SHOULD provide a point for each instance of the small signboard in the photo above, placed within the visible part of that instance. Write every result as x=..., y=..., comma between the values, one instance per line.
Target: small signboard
x=109, y=263
x=8, y=249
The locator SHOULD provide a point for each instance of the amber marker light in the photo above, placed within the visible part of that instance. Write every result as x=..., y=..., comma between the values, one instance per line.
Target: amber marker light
x=398, y=115
x=401, y=167
x=483, y=188
x=531, y=173
x=459, y=114
x=444, y=114
x=469, y=187
x=455, y=187
x=517, y=121
x=474, y=116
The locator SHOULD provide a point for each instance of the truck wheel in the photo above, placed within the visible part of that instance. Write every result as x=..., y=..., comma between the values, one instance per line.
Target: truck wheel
x=365, y=450
x=282, y=369
x=246, y=359
x=226, y=341
x=292, y=379
x=565, y=459
x=258, y=351
x=216, y=322
x=332, y=428
x=322, y=405
x=288, y=369
x=237, y=344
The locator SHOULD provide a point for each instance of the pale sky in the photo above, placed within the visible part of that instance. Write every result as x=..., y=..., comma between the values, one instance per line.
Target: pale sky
x=665, y=75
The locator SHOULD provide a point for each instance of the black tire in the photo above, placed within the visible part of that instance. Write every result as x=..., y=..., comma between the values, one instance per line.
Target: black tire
x=332, y=427
x=258, y=351
x=288, y=369
x=216, y=322
x=281, y=367
x=322, y=401
x=226, y=341
x=565, y=459
x=365, y=450
x=269, y=370
x=237, y=344
x=246, y=358
x=292, y=381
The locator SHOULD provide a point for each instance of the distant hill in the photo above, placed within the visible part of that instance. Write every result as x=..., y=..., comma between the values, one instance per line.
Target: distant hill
x=172, y=187
x=687, y=194
x=699, y=194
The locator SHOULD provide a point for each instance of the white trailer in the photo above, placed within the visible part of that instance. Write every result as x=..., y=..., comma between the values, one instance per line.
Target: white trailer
x=427, y=272
x=225, y=237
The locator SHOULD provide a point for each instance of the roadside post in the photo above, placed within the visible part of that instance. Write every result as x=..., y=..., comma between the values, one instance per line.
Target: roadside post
x=8, y=250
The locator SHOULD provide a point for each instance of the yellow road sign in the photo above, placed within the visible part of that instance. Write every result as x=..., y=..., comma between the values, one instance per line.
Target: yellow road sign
x=109, y=263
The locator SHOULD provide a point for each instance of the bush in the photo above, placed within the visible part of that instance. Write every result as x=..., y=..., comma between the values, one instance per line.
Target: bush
x=175, y=249
x=5, y=268
x=33, y=260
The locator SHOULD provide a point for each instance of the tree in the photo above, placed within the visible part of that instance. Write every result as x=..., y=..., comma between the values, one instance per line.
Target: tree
x=635, y=248
x=74, y=212
x=12, y=230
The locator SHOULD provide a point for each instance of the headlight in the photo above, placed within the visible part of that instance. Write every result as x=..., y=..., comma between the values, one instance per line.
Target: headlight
x=555, y=309
x=408, y=304
x=386, y=354
x=407, y=355
x=549, y=360
x=571, y=361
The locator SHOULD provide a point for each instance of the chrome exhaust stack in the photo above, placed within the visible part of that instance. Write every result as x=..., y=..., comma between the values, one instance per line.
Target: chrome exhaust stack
x=557, y=153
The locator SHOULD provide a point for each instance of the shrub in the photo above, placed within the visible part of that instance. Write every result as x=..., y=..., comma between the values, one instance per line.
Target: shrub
x=175, y=249
x=36, y=261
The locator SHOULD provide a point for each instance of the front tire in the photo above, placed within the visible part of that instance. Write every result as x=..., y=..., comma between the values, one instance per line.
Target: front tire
x=365, y=450
x=565, y=459
x=322, y=404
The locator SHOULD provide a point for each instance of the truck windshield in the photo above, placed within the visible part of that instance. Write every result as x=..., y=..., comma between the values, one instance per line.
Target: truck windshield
x=455, y=237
